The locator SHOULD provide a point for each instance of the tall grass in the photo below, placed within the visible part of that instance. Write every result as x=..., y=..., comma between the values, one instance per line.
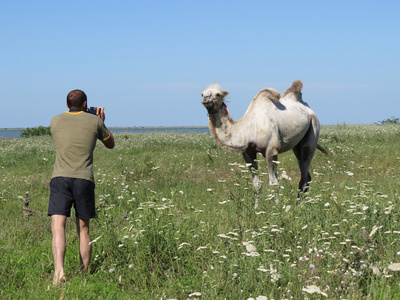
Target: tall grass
x=176, y=220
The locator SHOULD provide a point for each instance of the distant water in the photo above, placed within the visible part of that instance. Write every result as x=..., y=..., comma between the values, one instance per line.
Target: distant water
x=10, y=133
x=15, y=133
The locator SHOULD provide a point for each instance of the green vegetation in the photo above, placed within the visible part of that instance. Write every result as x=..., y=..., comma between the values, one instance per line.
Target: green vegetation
x=392, y=120
x=176, y=220
x=35, y=131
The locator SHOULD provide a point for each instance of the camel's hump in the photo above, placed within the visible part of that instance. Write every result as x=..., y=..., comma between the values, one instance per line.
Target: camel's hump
x=271, y=94
x=296, y=87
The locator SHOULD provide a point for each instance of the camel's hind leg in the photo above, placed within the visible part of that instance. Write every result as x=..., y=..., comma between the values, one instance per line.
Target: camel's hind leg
x=250, y=157
x=304, y=156
x=304, y=152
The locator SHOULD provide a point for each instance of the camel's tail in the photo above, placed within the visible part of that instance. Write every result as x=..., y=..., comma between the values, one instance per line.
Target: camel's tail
x=320, y=148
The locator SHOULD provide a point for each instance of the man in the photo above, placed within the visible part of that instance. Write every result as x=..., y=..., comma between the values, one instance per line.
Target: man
x=74, y=134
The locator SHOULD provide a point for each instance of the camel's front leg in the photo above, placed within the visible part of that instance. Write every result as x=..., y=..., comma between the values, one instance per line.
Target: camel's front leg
x=253, y=167
x=272, y=158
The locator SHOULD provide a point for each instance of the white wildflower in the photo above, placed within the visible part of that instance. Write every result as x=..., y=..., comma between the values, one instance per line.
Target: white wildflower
x=195, y=294
x=183, y=244
x=251, y=254
x=394, y=267
x=374, y=230
x=201, y=248
x=233, y=233
x=224, y=236
x=285, y=176
x=274, y=274
x=95, y=240
x=311, y=289
x=303, y=258
x=262, y=269
x=249, y=247
x=375, y=270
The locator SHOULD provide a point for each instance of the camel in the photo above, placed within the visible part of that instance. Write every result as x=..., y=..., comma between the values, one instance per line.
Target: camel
x=272, y=124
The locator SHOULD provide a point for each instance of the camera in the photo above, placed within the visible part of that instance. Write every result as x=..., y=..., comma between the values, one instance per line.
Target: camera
x=92, y=110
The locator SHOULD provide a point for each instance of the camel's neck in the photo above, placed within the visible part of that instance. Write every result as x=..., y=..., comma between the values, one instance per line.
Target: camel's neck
x=225, y=131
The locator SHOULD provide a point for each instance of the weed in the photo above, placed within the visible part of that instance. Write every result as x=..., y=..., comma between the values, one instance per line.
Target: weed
x=175, y=219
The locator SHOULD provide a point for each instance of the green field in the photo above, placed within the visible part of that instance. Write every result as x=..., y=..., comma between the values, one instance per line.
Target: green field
x=176, y=220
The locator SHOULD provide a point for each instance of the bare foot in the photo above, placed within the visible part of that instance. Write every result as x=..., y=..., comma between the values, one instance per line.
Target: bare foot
x=59, y=281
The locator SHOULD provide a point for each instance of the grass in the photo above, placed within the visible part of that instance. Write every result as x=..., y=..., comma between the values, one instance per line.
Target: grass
x=176, y=220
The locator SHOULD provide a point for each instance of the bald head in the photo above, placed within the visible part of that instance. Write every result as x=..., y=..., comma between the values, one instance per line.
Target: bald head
x=76, y=99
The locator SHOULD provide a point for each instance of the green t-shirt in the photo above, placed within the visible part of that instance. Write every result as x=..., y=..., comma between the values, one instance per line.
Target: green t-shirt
x=74, y=136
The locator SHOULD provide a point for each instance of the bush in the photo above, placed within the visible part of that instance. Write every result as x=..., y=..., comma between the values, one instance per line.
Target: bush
x=35, y=131
x=392, y=120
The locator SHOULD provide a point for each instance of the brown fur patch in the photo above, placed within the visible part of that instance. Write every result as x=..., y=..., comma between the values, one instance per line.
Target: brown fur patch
x=296, y=87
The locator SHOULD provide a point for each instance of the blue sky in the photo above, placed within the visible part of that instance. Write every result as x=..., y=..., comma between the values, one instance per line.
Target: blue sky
x=147, y=62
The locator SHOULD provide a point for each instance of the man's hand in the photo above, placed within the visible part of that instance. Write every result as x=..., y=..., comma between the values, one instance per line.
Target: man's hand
x=100, y=113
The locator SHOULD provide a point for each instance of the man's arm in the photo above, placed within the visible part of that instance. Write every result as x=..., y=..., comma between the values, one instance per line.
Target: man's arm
x=109, y=141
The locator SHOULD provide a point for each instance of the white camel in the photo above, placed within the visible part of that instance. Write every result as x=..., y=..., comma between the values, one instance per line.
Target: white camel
x=272, y=124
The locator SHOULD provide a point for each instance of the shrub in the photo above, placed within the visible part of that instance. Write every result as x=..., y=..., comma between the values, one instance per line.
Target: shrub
x=392, y=120
x=35, y=131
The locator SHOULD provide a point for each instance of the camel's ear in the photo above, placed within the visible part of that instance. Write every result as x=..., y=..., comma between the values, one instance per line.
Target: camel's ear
x=225, y=93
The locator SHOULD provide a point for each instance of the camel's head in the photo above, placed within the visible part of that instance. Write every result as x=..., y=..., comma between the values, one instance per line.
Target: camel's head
x=213, y=97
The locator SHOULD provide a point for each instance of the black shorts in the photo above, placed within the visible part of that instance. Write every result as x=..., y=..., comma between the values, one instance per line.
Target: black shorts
x=65, y=192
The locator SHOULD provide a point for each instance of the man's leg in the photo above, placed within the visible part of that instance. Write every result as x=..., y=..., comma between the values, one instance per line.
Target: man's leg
x=85, y=249
x=58, y=246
